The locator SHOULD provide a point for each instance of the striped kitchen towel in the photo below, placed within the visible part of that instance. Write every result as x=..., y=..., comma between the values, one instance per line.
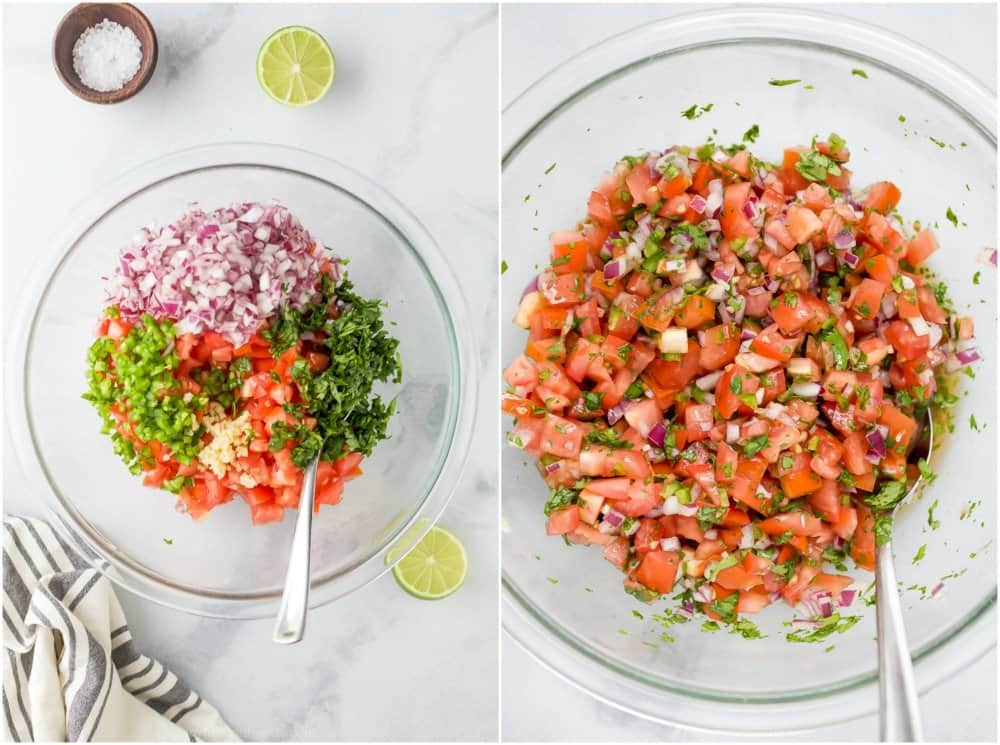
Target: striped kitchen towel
x=71, y=671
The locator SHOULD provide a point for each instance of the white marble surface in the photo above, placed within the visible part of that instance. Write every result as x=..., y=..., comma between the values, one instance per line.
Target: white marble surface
x=414, y=105
x=534, y=40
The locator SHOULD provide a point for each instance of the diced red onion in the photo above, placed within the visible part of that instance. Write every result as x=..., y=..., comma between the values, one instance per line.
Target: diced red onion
x=936, y=334
x=615, y=269
x=747, y=334
x=207, y=271
x=825, y=605
x=919, y=325
x=656, y=435
x=704, y=594
x=844, y=240
x=722, y=272
x=732, y=432
x=888, y=306
x=670, y=544
x=614, y=519
x=710, y=226
x=847, y=596
x=876, y=440
x=967, y=356
x=717, y=292
x=698, y=204
x=532, y=286
x=713, y=205
x=806, y=390
x=851, y=259
x=553, y=467
x=616, y=412
x=806, y=623
x=707, y=382
x=937, y=589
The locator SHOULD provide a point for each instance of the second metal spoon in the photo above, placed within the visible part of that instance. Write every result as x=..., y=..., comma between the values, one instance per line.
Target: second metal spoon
x=899, y=709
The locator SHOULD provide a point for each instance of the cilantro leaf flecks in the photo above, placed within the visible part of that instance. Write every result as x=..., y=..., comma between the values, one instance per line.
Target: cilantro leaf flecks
x=361, y=352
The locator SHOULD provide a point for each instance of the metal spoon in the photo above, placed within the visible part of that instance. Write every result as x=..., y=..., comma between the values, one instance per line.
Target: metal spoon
x=291, y=624
x=899, y=718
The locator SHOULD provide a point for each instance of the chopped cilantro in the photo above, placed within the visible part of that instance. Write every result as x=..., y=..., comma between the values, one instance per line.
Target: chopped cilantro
x=694, y=111
x=883, y=528
x=592, y=400
x=859, y=73
x=747, y=629
x=792, y=81
x=725, y=608
x=887, y=497
x=755, y=444
x=561, y=497
x=607, y=438
x=933, y=522
x=824, y=627
x=816, y=167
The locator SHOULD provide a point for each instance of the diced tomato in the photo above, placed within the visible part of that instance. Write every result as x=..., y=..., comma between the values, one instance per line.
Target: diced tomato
x=735, y=224
x=883, y=196
x=563, y=520
x=863, y=542
x=905, y=342
x=775, y=433
x=923, y=245
x=799, y=523
x=658, y=570
x=695, y=312
x=720, y=345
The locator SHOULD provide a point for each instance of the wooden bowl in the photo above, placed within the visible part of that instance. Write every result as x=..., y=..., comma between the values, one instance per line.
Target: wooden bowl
x=82, y=17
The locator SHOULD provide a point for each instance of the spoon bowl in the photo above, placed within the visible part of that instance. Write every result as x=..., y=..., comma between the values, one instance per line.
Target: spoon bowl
x=899, y=711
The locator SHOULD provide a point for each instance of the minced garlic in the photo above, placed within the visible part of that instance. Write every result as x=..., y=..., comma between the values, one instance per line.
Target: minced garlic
x=229, y=440
x=247, y=480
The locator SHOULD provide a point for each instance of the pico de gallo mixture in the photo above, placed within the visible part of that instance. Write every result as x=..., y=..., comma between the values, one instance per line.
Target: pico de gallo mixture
x=233, y=351
x=727, y=364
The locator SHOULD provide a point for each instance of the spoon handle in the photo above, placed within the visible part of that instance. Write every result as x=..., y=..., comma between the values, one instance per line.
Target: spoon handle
x=291, y=623
x=899, y=719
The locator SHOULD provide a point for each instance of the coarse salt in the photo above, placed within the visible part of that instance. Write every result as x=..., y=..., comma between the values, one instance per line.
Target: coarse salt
x=107, y=56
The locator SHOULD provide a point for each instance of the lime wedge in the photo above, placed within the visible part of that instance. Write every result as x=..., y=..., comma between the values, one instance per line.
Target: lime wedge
x=295, y=66
x=434, y=568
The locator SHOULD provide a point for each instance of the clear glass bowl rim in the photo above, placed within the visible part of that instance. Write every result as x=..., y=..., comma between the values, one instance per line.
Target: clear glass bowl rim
x=529, y=627
x=123, y=570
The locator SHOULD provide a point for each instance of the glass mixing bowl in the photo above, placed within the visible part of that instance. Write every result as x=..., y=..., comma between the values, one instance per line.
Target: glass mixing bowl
x=222, y=565
x=566, y=604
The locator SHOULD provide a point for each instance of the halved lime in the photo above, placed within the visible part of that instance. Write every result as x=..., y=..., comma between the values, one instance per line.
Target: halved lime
x=434, y=568
x=295, y=66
